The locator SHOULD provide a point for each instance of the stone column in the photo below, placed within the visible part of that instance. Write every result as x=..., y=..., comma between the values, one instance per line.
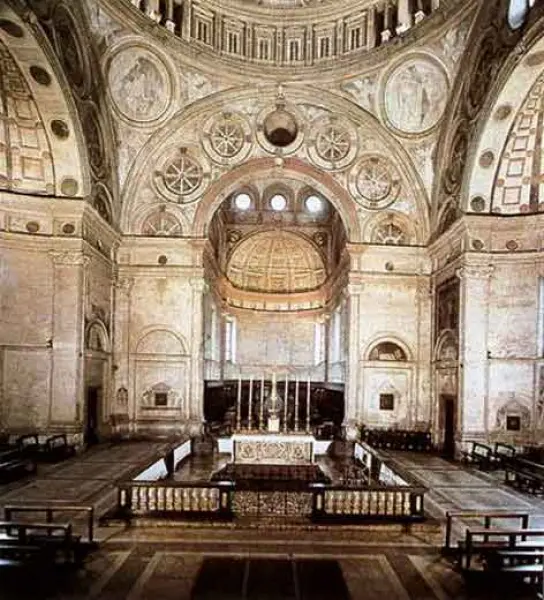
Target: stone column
x=67, y=385
x=352, y=360
x=473, y=345
x=196, y=400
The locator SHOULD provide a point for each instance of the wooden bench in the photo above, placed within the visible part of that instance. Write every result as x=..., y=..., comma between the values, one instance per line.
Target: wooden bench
x=57, y=448
x=52, y=543
x=479, y=454
x=29, y=445
x=48, y=512
x=502, y=454
x=14, y=464
x=489, y=519
x=482, y=541
x=525, y=474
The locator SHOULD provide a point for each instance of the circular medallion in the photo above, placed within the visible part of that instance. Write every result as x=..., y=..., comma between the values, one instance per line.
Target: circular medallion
x=11, y=28
x=486, y=159
x=60, y=128
x=503, y=112
x=227, y=138
x=69, y=186
x=415, y=95
x=139, y=85
x=280, y=129
x=333, y=143
x=477, y=204
x=181, y=177
x=40, y=75
x=375, y=183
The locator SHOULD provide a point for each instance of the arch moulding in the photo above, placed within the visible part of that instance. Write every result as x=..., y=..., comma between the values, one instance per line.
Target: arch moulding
x=290, y=167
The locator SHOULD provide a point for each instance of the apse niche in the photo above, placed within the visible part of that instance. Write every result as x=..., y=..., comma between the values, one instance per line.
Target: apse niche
x=276, y=247
x=276, y=266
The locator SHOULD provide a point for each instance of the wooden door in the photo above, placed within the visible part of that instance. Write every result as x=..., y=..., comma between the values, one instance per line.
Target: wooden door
x=91, y=417
x=448, y=410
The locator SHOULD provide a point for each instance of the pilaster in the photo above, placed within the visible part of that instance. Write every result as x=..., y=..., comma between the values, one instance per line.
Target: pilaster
x=473, y=346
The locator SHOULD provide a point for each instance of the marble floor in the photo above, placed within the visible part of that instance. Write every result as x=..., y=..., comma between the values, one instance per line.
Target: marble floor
x=258, y=560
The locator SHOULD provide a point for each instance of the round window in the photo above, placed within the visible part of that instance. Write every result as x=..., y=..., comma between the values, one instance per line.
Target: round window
x=278, y=202
x=314, y=204
x=242, y=201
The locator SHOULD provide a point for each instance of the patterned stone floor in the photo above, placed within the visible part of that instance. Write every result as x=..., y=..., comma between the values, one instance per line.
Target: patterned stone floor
x=246, y=561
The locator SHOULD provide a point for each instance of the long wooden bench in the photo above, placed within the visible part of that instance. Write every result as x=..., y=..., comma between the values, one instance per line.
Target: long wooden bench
x=57, y=448
x=502, y=455
x=483, y=541
x=489, y=519
x=525, y=475
x=48, y=512
x=52, y=543
x=14, y=464
x=479, y=455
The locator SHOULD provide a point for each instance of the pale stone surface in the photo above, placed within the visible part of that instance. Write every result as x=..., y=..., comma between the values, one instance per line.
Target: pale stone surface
x=139, y=307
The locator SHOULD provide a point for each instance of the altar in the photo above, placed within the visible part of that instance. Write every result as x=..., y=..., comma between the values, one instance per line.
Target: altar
x=272, y=448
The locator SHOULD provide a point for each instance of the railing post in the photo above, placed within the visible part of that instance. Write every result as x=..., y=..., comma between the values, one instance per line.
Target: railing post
x=91, y=524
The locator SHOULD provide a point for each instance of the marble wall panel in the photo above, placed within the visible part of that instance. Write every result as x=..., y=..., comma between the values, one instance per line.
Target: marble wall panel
x=513, y=316
x=27, y=287
x=383, y=380
x=267, y=341
x=26, y=386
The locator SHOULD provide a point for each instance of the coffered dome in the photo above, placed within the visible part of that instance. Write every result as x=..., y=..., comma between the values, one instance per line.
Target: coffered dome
x=276, y=262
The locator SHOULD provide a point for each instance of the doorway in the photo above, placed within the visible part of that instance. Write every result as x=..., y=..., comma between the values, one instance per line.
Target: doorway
x=91, y=417
x=448, y=410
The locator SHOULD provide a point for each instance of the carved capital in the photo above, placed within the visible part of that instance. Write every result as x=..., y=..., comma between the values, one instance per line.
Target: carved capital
x=198, y=284
x=470, y=272
x=354, y=289
x=69, y=258
x=124, y=284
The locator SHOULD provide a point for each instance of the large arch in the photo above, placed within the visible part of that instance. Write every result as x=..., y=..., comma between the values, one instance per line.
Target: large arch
x=182, y=130
x=293, y=167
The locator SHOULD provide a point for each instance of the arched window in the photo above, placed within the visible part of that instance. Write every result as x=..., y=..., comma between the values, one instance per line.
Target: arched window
x=387, y=351
x=517, y=12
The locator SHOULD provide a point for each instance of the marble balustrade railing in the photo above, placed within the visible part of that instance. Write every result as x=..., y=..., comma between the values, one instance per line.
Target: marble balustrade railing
x=306, y=39
x=138, y=498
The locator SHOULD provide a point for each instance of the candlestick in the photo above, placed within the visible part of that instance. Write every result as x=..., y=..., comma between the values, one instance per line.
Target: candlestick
x=308, y=406
x=296, y=404
x=239, y=404
x=261, y=407
x=249, y=414
x=285, y=396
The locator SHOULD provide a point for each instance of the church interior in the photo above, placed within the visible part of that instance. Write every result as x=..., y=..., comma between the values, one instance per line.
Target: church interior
x=271, y=299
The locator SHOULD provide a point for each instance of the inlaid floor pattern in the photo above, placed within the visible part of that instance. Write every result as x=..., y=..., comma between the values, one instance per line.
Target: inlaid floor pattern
x=240, y=561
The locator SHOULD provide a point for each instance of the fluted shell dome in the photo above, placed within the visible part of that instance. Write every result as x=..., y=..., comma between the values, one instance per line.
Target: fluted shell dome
x=276, y=262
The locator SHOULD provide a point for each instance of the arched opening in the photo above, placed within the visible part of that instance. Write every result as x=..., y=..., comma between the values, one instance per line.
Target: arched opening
x=275, y=267
x=97, y=356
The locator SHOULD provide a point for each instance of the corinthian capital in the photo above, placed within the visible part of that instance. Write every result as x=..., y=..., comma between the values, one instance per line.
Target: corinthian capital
x=468, y=272
x=124, y=284
x=69, y=257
